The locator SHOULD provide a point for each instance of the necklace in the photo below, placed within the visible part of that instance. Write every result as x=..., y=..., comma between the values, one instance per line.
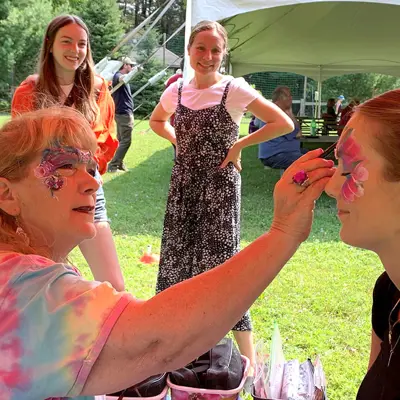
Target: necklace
x=391, y=327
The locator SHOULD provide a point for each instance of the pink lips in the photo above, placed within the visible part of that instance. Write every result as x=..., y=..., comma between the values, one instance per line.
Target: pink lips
x=85, y=209
x=342, y=212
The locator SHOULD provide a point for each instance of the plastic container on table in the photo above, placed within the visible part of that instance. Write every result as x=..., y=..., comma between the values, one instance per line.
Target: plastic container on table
x=161, y=396
x=189, y=393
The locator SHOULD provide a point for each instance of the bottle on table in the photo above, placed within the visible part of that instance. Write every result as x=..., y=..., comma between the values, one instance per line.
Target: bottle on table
x=313, y=127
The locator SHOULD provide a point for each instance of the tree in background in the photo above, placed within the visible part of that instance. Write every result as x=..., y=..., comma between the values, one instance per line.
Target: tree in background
x=363, y=86
x=21, y=33
x=135, y=11
x=149, y=97
x=103, y=18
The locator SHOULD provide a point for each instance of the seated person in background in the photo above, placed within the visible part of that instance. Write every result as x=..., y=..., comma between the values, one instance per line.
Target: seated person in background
x=346, y=114
x=329, y=117
x=252, y=127
x=282, y=151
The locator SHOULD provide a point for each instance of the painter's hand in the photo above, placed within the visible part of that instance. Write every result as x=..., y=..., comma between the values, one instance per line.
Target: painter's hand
x=293, y=202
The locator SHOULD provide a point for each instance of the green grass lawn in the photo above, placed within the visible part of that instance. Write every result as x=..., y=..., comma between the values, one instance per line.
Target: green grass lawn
x=3, y=119
x=322, y=298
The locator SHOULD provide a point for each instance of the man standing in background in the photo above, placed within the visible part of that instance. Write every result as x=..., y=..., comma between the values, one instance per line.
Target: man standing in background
x=339, y=105
x=123, y=116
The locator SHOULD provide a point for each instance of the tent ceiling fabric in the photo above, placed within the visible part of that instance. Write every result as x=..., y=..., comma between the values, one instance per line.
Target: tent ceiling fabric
x=317, y=39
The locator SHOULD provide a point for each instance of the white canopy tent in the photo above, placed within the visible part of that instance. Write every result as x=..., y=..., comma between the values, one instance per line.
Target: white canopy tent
x=318, y=39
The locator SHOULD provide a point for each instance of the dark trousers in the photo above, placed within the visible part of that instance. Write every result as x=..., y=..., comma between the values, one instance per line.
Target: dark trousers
x=283, y=160
x=124, y=136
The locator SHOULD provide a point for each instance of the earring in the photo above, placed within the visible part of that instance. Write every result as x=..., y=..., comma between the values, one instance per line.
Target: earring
x=21, y=233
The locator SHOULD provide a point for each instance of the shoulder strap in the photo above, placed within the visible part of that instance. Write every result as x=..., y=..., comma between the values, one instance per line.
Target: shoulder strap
x=180, y=86
x=225, y=95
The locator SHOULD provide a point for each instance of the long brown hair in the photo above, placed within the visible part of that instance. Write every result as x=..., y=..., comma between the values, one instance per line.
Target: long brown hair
x=48, y=90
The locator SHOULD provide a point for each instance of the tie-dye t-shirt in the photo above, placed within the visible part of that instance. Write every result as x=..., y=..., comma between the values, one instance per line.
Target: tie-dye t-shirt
x=53, y=326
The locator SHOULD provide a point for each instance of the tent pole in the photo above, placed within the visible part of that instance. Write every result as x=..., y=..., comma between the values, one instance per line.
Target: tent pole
x=188, y=72
x=303, y=101
x=319, y=92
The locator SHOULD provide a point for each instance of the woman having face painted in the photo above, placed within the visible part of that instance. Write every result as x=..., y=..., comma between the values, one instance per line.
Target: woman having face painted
x=65, y=76
x=202, y=220
x=366, y=187
x=62, y=336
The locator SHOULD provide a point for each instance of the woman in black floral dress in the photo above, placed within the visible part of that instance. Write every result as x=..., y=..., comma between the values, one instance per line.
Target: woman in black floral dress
x=202, y=220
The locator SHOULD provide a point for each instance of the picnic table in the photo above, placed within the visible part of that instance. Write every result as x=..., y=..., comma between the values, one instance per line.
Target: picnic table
x=326, y=133
x=323, y=126
x=320, y=141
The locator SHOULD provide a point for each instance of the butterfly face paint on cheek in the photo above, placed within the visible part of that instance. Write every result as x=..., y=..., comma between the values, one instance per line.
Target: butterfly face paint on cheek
x=349, y=151
x=60, y=162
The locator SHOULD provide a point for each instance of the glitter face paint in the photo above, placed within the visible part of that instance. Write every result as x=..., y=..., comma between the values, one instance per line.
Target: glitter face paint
x=349, y=151
x=60, y=162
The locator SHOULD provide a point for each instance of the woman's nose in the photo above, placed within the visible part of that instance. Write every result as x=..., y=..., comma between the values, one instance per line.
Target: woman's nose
x=88, y=183
x=208, y=55
x=334, y=185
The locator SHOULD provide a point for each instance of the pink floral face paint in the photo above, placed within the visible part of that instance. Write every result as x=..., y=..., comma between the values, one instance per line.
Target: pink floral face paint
x=349, y=151
x=60, y=162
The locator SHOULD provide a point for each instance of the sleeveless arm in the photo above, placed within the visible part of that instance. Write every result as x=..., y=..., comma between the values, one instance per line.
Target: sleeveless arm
x=162, y=113
x=169, y=99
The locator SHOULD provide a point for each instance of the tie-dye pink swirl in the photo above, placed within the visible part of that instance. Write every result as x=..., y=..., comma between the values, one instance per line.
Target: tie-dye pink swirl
x=53, y=326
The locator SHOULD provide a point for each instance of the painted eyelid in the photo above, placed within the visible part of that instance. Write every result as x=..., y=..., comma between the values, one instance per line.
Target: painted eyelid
x=340, y=169
x=70, y=164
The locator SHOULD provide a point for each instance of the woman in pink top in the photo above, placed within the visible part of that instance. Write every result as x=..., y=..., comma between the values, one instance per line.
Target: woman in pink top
x=202, y=220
